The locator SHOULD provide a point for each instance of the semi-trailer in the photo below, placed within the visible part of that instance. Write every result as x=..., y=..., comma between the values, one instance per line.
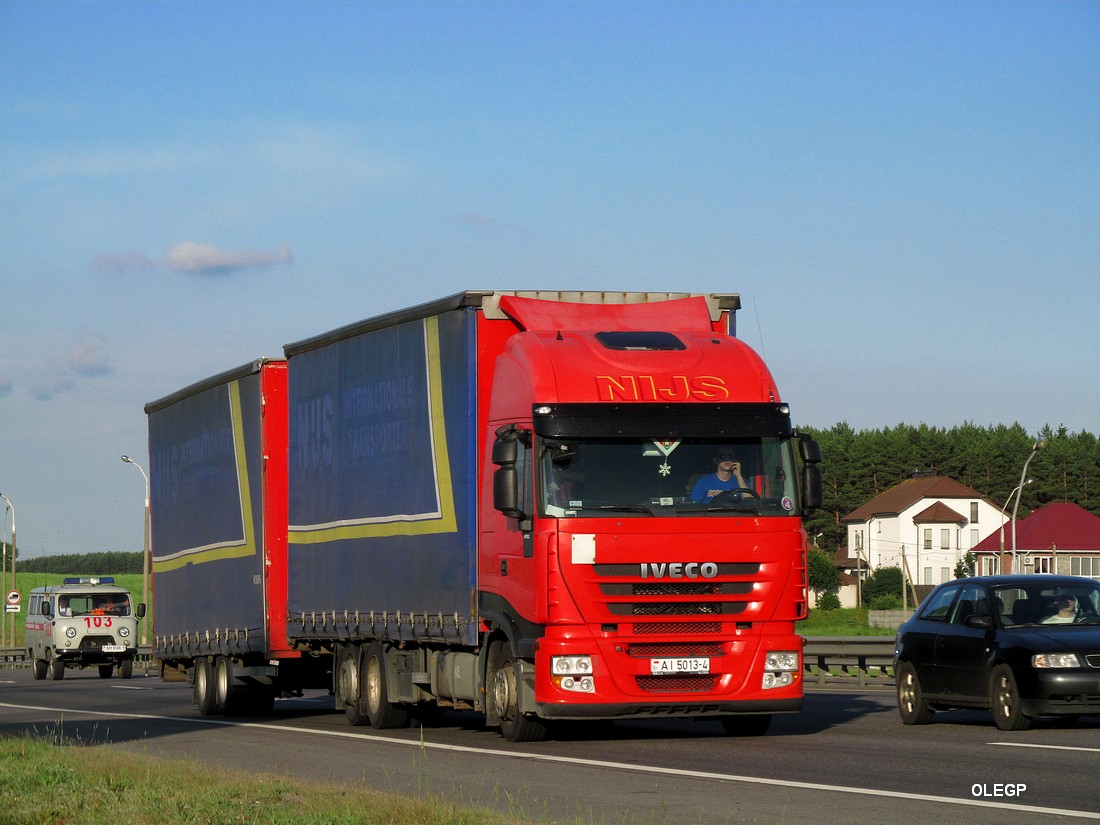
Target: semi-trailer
x=540, y=506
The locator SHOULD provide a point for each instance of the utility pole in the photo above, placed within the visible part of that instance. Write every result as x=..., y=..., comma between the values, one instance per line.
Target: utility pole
x=11, y=507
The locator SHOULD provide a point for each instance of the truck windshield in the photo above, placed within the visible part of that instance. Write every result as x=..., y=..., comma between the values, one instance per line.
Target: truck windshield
x=686, y=478
x=99, y=604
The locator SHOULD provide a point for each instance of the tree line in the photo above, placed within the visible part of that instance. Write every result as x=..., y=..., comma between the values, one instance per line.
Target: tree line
x=858, y=466
x=84, y=564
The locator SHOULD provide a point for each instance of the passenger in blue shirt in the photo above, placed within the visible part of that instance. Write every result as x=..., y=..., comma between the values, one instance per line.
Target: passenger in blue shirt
x=726, y=477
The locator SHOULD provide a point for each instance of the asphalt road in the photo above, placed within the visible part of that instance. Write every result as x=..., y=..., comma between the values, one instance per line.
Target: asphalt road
x=846, y=758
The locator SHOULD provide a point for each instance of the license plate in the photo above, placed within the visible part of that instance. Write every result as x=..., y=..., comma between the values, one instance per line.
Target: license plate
x=113, y=649
x=661, y=666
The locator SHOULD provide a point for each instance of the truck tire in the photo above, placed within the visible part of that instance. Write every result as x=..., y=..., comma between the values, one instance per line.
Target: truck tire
x=749, y=724
x=373, y=684
x=503, y=686
x=125, y=668
x=229, y=696
x=204, y=687
x=348, y=695
x=57, y=668
x=41, y=666
x=105, y=671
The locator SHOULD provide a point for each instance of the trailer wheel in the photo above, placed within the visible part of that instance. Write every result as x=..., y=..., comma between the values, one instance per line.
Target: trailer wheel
x=504, y=687
x=41, y=666
x=204, y=687
x=230, y=697
x=126, y=668
x=382, y=712
x=105, y=671
x=57, y=668
x=347, y=689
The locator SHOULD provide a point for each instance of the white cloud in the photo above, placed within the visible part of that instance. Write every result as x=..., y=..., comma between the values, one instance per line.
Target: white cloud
x=206, y=259
x=87, y=359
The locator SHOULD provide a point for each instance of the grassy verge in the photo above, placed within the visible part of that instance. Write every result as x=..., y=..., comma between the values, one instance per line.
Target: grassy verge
x=45, y=781
x=844, y=621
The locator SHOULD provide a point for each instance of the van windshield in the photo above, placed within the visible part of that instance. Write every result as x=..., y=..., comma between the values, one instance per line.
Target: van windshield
x=94, y=604
x=681, y=478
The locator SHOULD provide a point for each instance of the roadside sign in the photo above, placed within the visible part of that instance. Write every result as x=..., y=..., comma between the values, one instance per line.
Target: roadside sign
x=13, y=598
x=11, y=608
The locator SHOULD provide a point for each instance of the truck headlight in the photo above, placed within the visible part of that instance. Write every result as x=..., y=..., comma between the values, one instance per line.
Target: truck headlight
x=1045, y=660
x=572, y=673
x=70, y=632
x=124, y=632
x=781, y=668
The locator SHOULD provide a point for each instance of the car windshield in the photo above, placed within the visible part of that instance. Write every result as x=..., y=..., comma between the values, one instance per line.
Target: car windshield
x=1044, y=603
x=99, y=604
x=650, y=477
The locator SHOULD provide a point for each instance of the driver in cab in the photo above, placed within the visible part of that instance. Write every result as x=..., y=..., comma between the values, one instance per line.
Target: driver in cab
x=727, y=476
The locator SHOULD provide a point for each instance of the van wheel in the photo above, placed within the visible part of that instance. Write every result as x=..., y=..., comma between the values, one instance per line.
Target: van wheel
x=40, y=668
x=105, y=671
x=126, y=668
x=57, y=668
x=504, y=694
x=373, y=684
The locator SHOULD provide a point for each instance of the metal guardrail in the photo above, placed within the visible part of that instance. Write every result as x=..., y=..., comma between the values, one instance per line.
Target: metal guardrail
x=868, y=660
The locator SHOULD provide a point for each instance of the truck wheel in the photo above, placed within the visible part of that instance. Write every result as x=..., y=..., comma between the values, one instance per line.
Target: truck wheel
x=1005, y=699
x=747, y=724
x=204, y=687
x=347, y=689
x=911, y=705
x=57, y=668
x=228, y=695
x=126, y=668
x=40, y=668
x=382, y=713
x=105, y=671
x=504, y=687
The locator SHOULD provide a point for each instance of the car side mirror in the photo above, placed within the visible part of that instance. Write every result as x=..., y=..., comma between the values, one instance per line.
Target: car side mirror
x=140, y=612
x=978, y=620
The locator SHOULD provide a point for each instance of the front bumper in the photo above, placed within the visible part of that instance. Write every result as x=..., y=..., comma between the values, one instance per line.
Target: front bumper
x=1065, y=693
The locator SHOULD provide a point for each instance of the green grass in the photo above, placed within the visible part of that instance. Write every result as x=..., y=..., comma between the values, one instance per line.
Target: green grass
x=844, y=621
x=48, y=781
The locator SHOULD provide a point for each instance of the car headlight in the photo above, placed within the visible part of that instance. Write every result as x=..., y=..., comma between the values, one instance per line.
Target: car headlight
x=70, y=632
x=1045, y=660
x=124, y=632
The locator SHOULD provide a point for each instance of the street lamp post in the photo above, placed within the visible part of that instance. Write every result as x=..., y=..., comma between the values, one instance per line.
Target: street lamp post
x=144, y=556
x=1001, y=565
x=1038, y=445
x=11, y=507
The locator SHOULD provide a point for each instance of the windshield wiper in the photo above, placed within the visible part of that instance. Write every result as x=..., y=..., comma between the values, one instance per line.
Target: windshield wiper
x=627, y=508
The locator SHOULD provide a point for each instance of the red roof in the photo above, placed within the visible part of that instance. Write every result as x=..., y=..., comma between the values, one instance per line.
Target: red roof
x=909, y=492
x=1064, y=525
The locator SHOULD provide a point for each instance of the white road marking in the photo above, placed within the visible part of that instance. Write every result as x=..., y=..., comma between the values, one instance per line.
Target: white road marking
x=591, y=763
x=1048, y=747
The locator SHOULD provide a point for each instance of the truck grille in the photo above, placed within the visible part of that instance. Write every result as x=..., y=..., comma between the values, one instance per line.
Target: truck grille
x=675, y=608
x=677, y=684
x=646, y=650
x=676, y=628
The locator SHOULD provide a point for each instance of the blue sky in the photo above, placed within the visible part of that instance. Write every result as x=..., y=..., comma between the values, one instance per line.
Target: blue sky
x=906, y=195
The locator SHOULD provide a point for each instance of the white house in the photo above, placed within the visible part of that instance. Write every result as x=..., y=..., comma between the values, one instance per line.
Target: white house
x=925, y=526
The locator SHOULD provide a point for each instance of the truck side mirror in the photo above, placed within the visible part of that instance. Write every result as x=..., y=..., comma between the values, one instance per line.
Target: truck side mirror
x=812, y=484
x=140, y=612
x=505, y=478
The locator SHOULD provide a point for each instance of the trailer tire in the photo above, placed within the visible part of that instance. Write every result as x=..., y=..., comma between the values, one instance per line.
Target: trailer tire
x=503, y=686
x=348, y=695
x=105, y=671
x=57, y=668
x=204, y=687
x=125, y=668
x=375, y=691
x=41, y=666
x=230, y=697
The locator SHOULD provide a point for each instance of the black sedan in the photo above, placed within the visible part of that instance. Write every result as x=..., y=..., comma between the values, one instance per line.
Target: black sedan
x=1021, y=646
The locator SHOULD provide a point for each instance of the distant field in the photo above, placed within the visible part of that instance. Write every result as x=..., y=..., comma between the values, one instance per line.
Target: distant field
x=26, y=582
